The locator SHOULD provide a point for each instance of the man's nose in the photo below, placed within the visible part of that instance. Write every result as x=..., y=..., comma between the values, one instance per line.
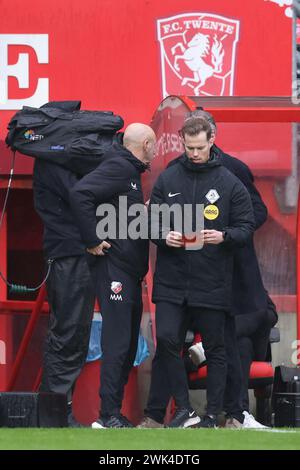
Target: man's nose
x=195, y=152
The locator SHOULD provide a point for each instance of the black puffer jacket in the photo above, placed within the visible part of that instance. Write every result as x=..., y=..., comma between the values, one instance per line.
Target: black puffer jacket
x=202, y=277
x=51, y=186
x=118, y=175
x=248, y=293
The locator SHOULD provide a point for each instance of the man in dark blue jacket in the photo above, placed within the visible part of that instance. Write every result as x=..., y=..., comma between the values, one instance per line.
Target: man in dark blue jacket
x=197, y=284
x=249, y=305
x=70, y=292
x=117, y=262
x=253, y=312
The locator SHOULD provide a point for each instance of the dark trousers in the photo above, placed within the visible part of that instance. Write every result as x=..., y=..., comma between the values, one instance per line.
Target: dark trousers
x=253, y=332
x=234, y=381
x=120, y=300
x=246, y=354
x=160, y=393
x=171, y=326
x=71, y=299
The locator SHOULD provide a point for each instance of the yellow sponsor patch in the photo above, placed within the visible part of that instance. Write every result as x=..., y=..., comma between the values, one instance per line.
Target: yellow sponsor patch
x=211, y=212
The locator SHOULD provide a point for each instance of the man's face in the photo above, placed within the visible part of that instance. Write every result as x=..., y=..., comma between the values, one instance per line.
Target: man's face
x=197, y=147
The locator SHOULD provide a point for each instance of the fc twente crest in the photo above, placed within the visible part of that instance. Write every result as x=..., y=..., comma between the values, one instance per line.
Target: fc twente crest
x=198, y=54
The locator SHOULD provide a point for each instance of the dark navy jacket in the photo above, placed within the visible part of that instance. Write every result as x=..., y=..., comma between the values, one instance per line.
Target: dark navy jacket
x=51, y=186
x=244, y=174
x=202, y=277
x=118, y=175
x=248, y=293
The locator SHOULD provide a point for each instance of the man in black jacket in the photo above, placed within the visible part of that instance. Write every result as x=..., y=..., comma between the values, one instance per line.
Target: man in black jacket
x=249, y=311
x=197, y=284
x=117, y=262
x=253, y=312
x=69, y=288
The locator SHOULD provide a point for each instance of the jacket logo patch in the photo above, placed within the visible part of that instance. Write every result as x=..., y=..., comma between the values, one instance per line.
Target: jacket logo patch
x=57, y=147
x=115, y=297
x=212, y=196
x=211, y=212
x=173, y=194
x=133, y=186
x=31, y=135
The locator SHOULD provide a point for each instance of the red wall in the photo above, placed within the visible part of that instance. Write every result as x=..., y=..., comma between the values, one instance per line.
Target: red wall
x=106, y=52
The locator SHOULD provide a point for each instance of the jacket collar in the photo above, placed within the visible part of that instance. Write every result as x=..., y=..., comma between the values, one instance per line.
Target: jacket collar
x=201, y=167
x=123, y=152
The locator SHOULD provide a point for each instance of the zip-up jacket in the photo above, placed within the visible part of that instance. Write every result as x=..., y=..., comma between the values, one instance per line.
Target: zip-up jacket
x=244, y=174
x=118, y=175
x=201, y=277
x=51, y=186
x=248, y=293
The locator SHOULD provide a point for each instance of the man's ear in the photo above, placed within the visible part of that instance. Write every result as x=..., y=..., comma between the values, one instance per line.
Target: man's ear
x=211, y=141
x=145, y=145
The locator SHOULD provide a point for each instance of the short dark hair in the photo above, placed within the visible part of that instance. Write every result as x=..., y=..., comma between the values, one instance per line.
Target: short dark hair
x=195, y=125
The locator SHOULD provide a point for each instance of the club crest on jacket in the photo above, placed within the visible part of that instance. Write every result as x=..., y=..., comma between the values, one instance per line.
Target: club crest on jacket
x=116, y=287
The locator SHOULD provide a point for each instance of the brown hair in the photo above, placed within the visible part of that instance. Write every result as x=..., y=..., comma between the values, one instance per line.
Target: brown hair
x=195, y=125
x=202, y=114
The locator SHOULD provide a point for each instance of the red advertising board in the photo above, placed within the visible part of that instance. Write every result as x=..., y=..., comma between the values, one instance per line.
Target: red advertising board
x=125, y=55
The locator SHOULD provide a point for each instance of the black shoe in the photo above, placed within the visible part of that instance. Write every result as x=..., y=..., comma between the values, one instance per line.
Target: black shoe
x=184, y=418
x=208, y=421
x=126, y=421
x=73, y=423
x=113, y=421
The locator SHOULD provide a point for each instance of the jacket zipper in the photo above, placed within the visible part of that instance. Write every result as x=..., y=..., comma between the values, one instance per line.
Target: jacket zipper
x=189, y=256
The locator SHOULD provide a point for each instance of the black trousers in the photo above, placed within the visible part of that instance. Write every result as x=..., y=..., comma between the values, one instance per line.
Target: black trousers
x=120, y=298
x=253, y=332
x=247, y=355
x=171, y=325
x=251, y=348
x=160, y=393
x=235, y=381
x=71, y=299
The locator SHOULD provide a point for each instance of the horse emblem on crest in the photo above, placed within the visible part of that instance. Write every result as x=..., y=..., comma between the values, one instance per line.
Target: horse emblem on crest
x=198, y=54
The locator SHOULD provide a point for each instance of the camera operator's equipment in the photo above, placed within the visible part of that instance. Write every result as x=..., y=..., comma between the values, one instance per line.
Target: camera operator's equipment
x=286, y=396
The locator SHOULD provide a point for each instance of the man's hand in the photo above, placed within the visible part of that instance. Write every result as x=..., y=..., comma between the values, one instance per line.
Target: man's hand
x=174, y=240
x=212, y=237
x=99, y=250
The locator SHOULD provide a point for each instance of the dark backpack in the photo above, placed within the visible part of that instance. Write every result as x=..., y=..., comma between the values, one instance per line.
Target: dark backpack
x=63, y=134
